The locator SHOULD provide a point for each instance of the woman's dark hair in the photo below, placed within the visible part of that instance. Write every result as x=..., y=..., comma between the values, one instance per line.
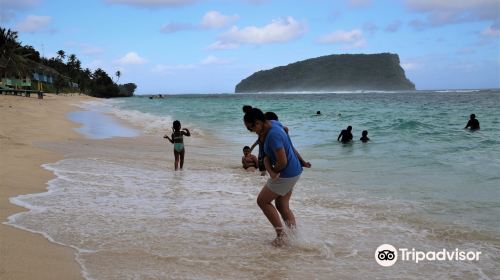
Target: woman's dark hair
x=176, y=125
x=271, y=116
x=247, y=108
x=254, y=115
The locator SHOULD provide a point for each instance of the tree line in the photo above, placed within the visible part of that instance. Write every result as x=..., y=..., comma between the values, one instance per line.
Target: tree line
x=20, y=61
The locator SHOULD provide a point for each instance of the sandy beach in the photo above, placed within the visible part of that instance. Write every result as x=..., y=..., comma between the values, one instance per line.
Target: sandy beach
x=23, y=123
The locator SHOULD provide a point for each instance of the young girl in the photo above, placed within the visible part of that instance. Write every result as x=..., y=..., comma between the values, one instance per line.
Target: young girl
x=178, y=141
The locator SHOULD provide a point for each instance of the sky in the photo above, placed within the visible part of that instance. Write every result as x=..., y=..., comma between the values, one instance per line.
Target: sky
x=209, y=46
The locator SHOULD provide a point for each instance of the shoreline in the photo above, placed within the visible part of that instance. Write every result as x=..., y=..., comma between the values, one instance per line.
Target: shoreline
x=139, y=191
x=23, y=123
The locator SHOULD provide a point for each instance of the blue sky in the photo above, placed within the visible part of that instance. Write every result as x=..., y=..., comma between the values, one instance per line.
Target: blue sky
x=203, y=46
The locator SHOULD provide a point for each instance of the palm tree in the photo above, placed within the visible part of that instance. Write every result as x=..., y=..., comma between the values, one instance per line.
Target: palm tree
x=61, y=55
x=85, y=79
x=118, y=75
x=74, y=66
x=13, y=60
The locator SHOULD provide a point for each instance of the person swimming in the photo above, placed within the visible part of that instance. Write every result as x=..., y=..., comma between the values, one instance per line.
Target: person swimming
x=178, y=141
x=473, y=123
x=364, y=136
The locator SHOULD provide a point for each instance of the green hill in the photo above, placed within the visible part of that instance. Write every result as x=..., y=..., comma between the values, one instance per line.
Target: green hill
x=332, y=72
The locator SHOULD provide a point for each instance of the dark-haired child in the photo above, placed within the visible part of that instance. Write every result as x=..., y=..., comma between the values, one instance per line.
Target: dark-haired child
x=248, y=160
x=364, y=136
x=178, y=141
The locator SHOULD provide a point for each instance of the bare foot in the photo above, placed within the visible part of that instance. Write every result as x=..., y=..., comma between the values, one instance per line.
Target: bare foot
x=278, y=242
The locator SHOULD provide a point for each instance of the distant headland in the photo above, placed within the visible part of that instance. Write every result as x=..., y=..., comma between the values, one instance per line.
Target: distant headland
x=332, y=73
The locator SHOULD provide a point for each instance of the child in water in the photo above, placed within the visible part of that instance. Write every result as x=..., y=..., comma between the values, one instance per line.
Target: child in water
x=178, y=141
x=249, y=161
x=364, y=136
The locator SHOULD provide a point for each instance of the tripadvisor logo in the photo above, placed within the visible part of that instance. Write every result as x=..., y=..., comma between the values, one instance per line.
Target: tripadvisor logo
x=387, y=255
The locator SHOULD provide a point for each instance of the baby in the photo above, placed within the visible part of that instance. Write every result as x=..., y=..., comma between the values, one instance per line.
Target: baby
x=249, y=161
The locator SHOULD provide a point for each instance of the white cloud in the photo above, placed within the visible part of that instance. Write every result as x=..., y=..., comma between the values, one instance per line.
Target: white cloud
x=33, y=24
x=443, y=12
x=152, y=3
x=214, y=19
x=131, y=58
x=211, y=19
x=349, y=39
x=279, y=30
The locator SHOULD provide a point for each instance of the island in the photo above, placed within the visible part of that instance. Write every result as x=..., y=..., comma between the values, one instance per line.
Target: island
x=344, y=72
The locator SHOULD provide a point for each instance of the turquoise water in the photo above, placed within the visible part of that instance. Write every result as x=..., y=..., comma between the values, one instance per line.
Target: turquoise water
x=418, y=151
x=421, y=182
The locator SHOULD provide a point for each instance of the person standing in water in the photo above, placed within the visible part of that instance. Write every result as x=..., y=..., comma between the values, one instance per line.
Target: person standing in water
x=178, y=141
x=283, y=167
x=345, y=135
x=473, y=123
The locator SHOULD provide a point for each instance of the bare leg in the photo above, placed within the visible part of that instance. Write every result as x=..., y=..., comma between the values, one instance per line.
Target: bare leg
x=182, y=157
x=283, y=206
x=176, y=156
x=266, y=196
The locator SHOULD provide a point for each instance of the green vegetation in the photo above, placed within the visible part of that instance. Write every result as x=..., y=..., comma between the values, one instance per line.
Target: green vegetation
x=332, y=72
x=58, y=74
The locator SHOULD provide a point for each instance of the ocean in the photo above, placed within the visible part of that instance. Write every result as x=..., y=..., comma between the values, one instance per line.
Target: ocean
x=422, y=182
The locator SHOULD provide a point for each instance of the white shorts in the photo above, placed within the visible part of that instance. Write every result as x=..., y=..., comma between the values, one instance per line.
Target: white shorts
x=282, y=186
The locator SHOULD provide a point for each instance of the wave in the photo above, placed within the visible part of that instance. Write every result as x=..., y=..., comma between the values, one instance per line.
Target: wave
x=323, y=92
x=151, y=124
x=458, y=90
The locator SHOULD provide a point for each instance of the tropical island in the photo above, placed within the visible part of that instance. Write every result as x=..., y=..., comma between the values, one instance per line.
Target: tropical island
x=344, y=72
x=23, y=70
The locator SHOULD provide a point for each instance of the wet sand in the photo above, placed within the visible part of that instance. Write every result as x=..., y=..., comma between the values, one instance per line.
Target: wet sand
x=24, y=122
